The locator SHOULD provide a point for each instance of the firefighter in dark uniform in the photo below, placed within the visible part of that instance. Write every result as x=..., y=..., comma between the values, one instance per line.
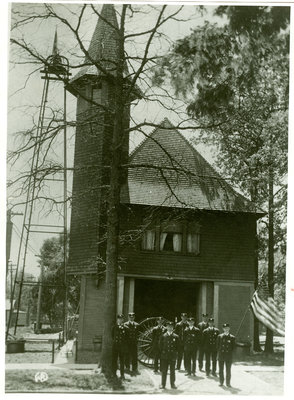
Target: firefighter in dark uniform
x=120, y=345
x=202, y=325
x=179, y=330
x=210, y=335
x=192, y=338
x=169, y=345
x=157, y=331
x=132, y=353
x=225, y=347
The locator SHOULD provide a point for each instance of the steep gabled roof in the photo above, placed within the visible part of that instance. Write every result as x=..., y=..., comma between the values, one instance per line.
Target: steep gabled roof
x=104, y=45
x=168, y=171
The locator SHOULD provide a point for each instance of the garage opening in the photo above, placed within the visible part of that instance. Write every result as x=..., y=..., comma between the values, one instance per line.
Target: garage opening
x=166, y=298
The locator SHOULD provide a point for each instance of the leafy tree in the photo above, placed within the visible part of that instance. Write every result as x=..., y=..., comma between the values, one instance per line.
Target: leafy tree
x=53, y=290
x=235, y=76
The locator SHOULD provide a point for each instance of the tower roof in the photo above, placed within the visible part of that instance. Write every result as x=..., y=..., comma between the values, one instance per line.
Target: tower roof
x=104, y=45
x=55, y=50
x=172, y=173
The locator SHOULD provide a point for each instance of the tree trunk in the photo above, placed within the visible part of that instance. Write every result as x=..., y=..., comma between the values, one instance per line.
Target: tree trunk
x=256, y=342
x=269, y=348
x=39, y=304
x=28, y=315
x=111, y=256
x=113, y=208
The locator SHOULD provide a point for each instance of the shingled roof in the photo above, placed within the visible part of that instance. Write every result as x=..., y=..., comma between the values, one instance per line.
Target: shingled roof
x=168, y=171
x=104, y=46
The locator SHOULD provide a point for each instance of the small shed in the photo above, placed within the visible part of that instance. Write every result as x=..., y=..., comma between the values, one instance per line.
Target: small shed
x=21, y=314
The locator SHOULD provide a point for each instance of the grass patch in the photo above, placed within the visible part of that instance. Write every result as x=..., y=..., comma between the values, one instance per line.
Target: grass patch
x=34, y=353
x=75, y=381
x=24, y=380
x=275, y=359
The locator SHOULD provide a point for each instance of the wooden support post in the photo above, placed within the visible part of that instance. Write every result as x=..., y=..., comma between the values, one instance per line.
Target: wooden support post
x=204, y=297
x=132, y=295
x=120, y=294
x=216, y=304
x=53, y=351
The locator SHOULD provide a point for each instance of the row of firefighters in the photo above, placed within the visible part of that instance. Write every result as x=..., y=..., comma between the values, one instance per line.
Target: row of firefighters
x=171, y=343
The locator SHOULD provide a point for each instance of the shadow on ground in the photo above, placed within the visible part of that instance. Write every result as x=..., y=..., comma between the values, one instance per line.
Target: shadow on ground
x=275, y=359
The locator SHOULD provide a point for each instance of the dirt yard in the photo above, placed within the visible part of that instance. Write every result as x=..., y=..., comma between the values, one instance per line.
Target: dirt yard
x=34, y=352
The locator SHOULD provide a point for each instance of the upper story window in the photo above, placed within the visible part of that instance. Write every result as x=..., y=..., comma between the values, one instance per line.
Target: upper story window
x=178, y=237
x=193, y=239
x=148, y=240
x=170, y=241
x=171, y=237
x=193, y=243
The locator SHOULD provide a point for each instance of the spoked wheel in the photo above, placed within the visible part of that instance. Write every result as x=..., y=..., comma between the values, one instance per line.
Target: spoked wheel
x=145, y=351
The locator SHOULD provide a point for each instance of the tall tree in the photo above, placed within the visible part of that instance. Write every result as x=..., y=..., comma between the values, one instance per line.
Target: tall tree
x=123, y=86
x=235, y=76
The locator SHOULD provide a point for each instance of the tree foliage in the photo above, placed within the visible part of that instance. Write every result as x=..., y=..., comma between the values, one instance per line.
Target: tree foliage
x=235, y=75
x=53, y=290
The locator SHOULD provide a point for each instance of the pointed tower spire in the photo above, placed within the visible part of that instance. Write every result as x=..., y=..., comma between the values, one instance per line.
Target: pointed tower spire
x=104, y=42
x=55, y=47
x=104, y=45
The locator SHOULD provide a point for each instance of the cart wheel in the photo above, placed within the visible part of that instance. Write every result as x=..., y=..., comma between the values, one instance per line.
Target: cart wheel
x=145, y=353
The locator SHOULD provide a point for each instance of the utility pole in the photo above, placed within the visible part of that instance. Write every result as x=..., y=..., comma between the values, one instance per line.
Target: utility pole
x=39, y=304
x=9, y=227
x=10, y=272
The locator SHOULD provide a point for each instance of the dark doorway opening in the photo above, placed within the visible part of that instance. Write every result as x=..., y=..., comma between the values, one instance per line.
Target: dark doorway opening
x=166, y=298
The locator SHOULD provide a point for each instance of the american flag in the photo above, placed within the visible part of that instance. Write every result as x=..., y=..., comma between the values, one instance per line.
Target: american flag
x=266, y=311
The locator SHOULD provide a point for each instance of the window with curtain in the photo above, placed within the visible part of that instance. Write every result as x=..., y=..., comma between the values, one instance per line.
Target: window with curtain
x=148, y=240
x=193, y=243
x=170, y=241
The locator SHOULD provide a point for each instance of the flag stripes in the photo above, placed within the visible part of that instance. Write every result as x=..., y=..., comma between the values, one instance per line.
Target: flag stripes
x=267, y=313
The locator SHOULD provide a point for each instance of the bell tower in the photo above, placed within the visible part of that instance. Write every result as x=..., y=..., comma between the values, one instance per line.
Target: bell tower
x=94, y=88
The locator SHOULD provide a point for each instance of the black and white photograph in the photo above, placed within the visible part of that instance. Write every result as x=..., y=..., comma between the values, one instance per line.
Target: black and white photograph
x=145, y=198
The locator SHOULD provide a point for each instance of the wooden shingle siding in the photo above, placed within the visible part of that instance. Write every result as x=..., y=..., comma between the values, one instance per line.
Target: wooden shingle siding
x=86, y=200
x=92, y=158
x=226, y=252
x=91, y=322
x=234, y=301
x=168, y=171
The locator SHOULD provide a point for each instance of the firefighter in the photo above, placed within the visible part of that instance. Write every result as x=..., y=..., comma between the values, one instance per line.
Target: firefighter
x=225, y=347
x=192, y=337
x=132, y=353
x=179, y=330
x=210, y=335
x=120, y=345
x=157, y=331
x=169, y=346
x=202, y=325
